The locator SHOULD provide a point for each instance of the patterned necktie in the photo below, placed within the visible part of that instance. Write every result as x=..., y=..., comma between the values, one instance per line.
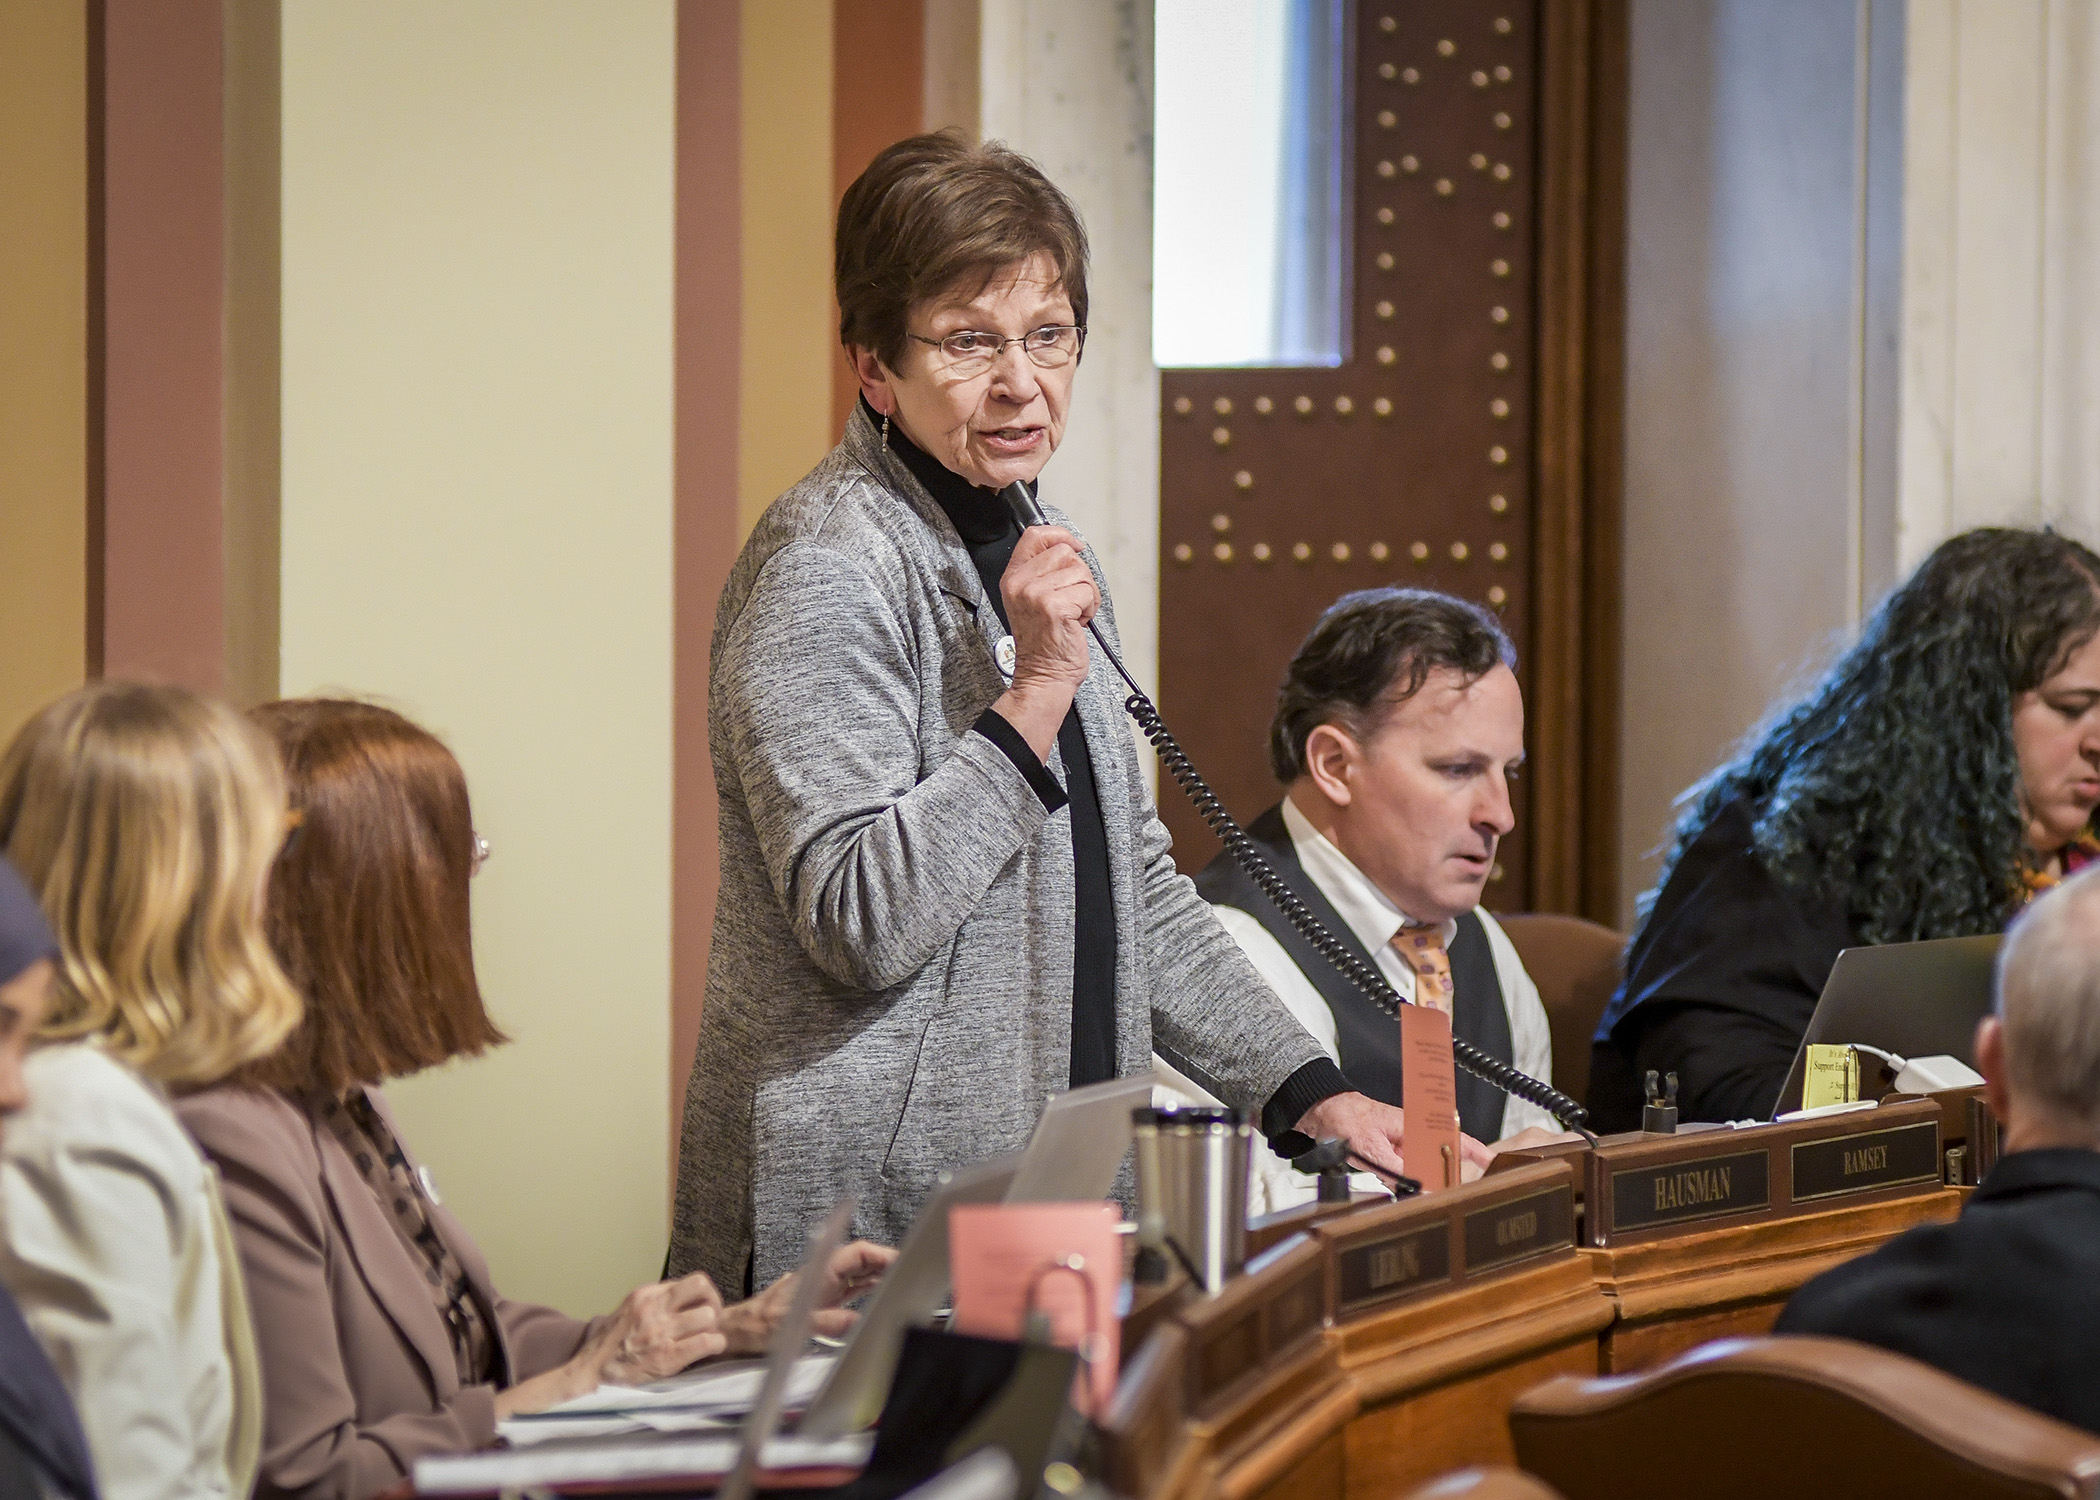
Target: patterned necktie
x=1423, y=948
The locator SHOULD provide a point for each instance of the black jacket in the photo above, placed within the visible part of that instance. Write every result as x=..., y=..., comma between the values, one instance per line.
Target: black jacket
x=40, y=1439
x=1719, y=986
x=2007, y=1297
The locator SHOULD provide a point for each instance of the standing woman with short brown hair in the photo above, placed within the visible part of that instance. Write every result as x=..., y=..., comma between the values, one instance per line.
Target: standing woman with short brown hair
x=382, y=1336
x=945, y=891
x=145, y=819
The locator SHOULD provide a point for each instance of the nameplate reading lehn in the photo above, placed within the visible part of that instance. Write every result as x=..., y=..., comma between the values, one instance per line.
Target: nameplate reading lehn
x=1519, y=1231
x=1384, y=1254
x=1682, y=1192
x=1867, y=1161
x=1394, y=1266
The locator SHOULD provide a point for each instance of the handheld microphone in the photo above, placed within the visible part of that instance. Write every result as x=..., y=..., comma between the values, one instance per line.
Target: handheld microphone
x=1029, y=513
x=1023, y=505
x=1249, y=857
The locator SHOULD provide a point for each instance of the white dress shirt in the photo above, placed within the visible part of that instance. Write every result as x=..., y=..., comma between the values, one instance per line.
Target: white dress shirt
x=1373, y=919
x=115, y=1243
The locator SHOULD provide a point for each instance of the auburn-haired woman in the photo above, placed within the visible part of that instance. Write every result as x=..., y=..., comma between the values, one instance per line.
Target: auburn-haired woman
x=381, y=1335
x=145, y=819
x=1943, y=771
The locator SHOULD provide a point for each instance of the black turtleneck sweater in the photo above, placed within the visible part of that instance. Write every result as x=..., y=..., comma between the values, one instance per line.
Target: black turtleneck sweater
x=990, y=531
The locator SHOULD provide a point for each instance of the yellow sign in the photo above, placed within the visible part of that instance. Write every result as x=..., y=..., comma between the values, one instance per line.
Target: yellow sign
x=1833, y=1077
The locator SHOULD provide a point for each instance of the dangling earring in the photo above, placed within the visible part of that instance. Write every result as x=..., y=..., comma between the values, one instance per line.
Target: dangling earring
x=885, y=429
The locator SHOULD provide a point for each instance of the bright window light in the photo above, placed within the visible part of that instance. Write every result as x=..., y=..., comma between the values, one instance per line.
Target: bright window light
x=1249, y=205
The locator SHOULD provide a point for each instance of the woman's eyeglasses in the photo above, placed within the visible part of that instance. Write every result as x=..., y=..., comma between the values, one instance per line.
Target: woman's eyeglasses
x=972, y=353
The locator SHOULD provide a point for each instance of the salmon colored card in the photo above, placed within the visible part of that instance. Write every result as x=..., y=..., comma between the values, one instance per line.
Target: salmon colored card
x=998, y=1251
x=1429, y=1094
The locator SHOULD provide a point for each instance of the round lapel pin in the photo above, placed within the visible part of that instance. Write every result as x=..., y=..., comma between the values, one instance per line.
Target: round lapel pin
x=1004, y=655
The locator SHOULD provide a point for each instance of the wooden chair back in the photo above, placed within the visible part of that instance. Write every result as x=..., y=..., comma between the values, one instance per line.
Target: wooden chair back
x=1577, y=965
x=1808, y=1418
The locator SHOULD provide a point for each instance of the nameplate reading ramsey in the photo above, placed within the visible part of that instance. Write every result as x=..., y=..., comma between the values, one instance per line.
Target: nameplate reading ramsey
x=1387, y=1269
x=1861, y=1163
x=1517, y=1231
x=1705, y=1188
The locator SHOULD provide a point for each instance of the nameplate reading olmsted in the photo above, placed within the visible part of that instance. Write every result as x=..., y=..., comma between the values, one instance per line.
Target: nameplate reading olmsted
x=1517, y=1231
x=1385, y=1269
x=1704, y=1188
x=1872, y=1159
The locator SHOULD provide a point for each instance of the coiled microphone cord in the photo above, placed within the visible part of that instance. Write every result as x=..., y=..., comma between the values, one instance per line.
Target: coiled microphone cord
x=1248, y=856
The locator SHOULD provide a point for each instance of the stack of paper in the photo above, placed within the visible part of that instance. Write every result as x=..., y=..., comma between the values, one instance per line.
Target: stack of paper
x=653, y=1455
x=713, y=1398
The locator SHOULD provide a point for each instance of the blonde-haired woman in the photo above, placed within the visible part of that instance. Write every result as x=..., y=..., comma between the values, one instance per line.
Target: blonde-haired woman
x=146, y=819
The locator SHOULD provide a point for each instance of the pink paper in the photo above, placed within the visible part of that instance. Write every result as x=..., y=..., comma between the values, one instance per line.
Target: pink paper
x=997, y=1251
x=1429, y=1095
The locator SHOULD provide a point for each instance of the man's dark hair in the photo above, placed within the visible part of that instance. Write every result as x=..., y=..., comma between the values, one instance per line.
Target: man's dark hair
x=1372, y=651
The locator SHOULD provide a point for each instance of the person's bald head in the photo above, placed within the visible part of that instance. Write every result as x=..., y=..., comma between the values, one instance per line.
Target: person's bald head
x=2041, y=1052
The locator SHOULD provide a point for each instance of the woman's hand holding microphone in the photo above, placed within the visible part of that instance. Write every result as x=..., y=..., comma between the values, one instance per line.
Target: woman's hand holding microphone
x=1050, y=599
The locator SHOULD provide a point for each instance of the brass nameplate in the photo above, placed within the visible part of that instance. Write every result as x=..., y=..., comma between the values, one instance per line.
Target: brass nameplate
x=1684, y=1191
x=1521, y=1229
x=1387, y=1269
x=1861, y=1163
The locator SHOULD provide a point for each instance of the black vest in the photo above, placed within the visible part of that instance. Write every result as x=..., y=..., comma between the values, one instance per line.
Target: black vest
x=1369, y=1038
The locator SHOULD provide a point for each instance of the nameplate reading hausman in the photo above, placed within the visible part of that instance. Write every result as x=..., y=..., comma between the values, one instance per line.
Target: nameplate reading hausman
x=1704, y=1188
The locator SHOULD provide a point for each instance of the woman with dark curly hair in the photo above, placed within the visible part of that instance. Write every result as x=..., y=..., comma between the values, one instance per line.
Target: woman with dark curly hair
x=1938, y=776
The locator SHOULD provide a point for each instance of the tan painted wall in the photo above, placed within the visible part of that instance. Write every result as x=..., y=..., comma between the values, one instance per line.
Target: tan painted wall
x=43, y=353
x=477, y=507
x=790, y=341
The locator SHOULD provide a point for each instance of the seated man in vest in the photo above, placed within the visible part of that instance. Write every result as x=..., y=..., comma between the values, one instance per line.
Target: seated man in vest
x=2007, y=1297
x=1398, y=729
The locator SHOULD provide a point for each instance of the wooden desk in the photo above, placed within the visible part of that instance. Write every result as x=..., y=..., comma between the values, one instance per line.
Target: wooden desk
x=1669, y=1295
x=1434, y=1381
x=1434, y=1314
x=1239, y=1394
x=1438, y=1312
x=1434, y=1371
x=1705, y=1234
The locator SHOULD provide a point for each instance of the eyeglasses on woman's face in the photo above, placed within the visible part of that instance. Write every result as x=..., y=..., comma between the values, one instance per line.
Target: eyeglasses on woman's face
x=972, y=352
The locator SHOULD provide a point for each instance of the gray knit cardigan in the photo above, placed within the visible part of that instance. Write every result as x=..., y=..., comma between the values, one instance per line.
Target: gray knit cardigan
x=889, y=987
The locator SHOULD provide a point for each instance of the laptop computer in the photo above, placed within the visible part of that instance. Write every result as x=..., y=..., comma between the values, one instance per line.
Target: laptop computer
x=1078, y=1146
x=911, y=1291
x=1079, y=1143
x=1913, y=999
